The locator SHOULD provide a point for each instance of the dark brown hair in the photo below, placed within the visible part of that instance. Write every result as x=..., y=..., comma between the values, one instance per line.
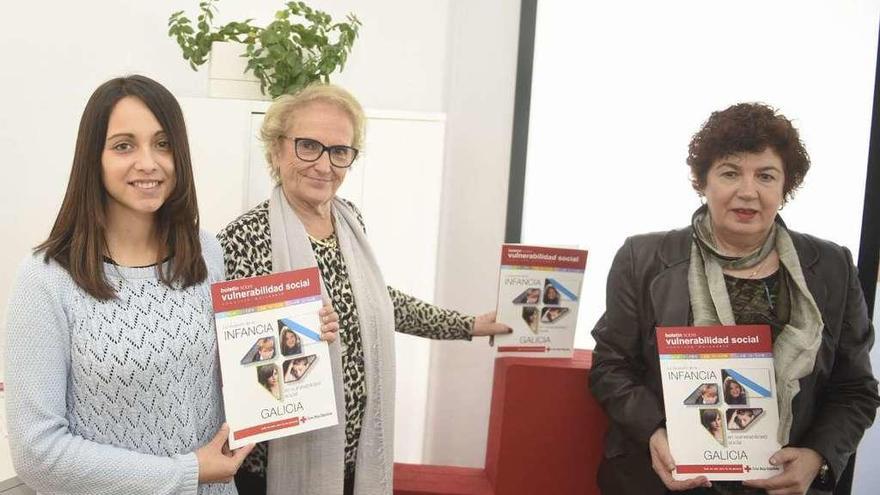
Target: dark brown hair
x=77, y=240
x=748, y=128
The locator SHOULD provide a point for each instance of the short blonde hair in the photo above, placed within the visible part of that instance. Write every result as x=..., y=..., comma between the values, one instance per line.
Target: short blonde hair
x=282, y=113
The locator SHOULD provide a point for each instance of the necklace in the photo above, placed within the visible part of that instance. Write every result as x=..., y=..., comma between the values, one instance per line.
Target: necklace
x=758, y=268
x=329, y=241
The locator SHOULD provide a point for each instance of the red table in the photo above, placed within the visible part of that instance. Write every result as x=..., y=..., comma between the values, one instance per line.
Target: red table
x=546, y=436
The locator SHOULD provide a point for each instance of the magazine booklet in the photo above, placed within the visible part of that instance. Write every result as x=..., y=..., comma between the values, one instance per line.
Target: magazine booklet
x=538, y=297
x=276, y=373
x=719, y=392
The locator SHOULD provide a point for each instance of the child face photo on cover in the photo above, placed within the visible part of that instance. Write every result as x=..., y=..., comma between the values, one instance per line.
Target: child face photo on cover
x=705, y=394
x=708, y=394
x=711, y=421
x=267, y=375
x=530, y=316
x=551, y=314
x=290, y=341
x=295, y=369
x=734, y=392
x=740, y=419
x=551, y=294
x=528, y=296
x=265, y=349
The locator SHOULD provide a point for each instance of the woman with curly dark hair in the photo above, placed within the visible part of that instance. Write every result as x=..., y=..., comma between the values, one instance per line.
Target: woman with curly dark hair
x=738, y=263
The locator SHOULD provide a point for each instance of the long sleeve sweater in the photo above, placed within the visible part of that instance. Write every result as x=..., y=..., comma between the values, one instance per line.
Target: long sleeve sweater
x=112, y=397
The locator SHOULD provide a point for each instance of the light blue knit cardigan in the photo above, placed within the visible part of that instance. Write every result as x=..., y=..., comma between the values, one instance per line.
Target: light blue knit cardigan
x=112, y=397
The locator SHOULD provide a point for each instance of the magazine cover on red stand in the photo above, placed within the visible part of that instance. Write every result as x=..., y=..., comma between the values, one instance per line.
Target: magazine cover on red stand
x=538, y=297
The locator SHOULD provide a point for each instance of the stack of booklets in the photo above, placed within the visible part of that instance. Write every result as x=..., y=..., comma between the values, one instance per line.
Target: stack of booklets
x=277, y=379
x=538, y=297
x=719, y=391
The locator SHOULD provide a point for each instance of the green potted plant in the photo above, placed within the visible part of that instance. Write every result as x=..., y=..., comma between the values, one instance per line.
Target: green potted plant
x=301, y=45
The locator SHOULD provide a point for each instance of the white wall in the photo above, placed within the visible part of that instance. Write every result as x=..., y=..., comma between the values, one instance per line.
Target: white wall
x=399, y=63
x=480, y=87
x=399, y=58
x=608, y=142
x=402, y=61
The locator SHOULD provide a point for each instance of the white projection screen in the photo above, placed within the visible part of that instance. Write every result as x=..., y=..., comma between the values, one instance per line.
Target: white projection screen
x=618, y=89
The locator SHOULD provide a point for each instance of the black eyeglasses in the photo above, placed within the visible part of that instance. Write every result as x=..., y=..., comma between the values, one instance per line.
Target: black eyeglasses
x=310, y=150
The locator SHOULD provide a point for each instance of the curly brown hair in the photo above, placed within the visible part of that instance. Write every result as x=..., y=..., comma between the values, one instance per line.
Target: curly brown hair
x=749, y=128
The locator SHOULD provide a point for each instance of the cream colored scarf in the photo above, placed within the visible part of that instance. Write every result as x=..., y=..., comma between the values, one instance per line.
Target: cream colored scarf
x=795, y=349
x=313, y=463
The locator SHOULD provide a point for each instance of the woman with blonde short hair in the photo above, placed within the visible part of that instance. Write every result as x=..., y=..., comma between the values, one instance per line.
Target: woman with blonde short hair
x=312, y=139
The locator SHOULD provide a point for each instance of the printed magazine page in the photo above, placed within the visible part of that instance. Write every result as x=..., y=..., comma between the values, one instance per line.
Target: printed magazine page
x=538, y=297
x=277, y=379
x=719, y=390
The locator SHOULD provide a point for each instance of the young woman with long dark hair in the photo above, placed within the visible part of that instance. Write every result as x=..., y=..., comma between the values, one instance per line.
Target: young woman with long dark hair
x=111, y=368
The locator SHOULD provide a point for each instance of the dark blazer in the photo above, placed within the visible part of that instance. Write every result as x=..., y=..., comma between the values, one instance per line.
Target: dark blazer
x=647, y=287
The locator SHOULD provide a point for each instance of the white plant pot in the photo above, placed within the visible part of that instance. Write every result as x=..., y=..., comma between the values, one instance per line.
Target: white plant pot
x=226, y=76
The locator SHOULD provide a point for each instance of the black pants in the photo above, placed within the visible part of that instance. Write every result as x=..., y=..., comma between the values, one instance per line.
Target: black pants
x=348, y=486
x=252, y=484
x=248, y=483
